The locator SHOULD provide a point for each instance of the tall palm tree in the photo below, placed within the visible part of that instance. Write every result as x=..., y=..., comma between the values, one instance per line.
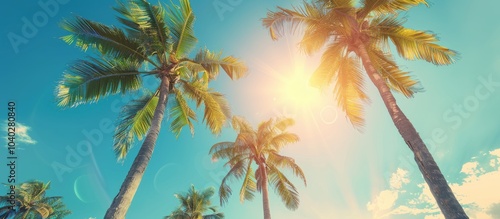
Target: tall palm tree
x=155, y=42
x=194, y=204
x=31, y=202
x=262, y=147
x=359, y=36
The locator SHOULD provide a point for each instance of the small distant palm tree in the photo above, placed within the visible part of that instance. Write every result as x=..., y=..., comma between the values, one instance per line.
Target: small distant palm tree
x=356, y=37
x=262, y=147
x=31, y=202
x=155, y=42
x=194, y=205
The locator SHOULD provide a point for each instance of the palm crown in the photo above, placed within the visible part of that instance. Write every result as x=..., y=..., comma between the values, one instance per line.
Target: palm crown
x=194, y=204
x=31, y=202
x=262, y=147
x=148, y=39
x=341, y=28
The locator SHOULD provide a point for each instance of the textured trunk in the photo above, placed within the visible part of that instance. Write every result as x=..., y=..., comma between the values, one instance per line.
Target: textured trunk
x=265, y=194
x=122, y=201
x=445, y=198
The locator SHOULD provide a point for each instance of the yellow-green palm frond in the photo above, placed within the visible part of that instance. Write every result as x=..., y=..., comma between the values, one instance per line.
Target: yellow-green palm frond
x=181, y=114
x=275, y=21
x=396, y=79
x=414, y=44
x=349, y=90
x=108, y=40
x=222, y=150
x=216, y=110
x=337, y=3
x=315, y=37
x=388, y=6
x=140, y=16
x=282, y=139
x=249, y=186
x=240, y=124
x=88, y=80
x=180, y=19
x=237, y=171
x=212, y=63
x=280, y=161
x=283, y=123
x=283, y=187
x=134, y=122
x=328, y=67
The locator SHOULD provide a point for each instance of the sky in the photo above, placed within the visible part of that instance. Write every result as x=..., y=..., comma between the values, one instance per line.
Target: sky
x=350, y=173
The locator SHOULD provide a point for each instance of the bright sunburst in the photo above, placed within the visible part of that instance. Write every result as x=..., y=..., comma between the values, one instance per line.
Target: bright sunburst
x=295, y=91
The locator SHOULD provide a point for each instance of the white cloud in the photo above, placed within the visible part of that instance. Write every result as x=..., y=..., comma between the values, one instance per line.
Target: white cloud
x=477, y=192
x=22, y=136
x=386, y=199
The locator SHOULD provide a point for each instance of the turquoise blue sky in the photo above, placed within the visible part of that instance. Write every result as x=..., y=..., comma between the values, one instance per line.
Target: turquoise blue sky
x=351, y=174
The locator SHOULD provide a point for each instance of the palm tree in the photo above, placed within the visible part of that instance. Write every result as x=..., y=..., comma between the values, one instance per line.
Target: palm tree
x=261, y=146
x=359, y=36
x=194, y=204
x=31, y=202
x=156, y=41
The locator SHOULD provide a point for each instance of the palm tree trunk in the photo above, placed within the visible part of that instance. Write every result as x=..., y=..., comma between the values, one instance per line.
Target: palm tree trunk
x=122, y=201
x=265, y=194
x=446, y=200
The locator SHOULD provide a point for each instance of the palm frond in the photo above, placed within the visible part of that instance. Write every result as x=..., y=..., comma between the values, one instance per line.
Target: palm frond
x=108, y=40
x=388, y=6
x=237, y=171
x=89, y=80
x=240, y=124
x=216, y=110
x=329, y=66
x=275, y=21
x=284, y=188
x=181, y=114
x=145, y=22
x=282, y=139
x=249, y=185
x=280, y=161
x=283, y=123
x=218, y=215
x=414, y=44
x=222, y=150
x=349, y=90
x=180, y=20
x=398, y=80
x=134, y=122
x=212, y=62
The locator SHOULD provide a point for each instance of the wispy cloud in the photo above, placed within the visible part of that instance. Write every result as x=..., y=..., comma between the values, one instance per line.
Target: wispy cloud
x=22, y=136
x=477, y=192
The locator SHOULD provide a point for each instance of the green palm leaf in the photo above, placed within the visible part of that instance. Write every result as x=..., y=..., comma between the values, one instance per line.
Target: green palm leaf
x=89, y=80
x=216, y=107
x=181, y=114
x=108, y=40
x=135, y=121
x=180, y=20
x=212, y=62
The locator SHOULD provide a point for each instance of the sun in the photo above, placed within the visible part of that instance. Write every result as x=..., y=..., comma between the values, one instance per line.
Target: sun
x=295, y=91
